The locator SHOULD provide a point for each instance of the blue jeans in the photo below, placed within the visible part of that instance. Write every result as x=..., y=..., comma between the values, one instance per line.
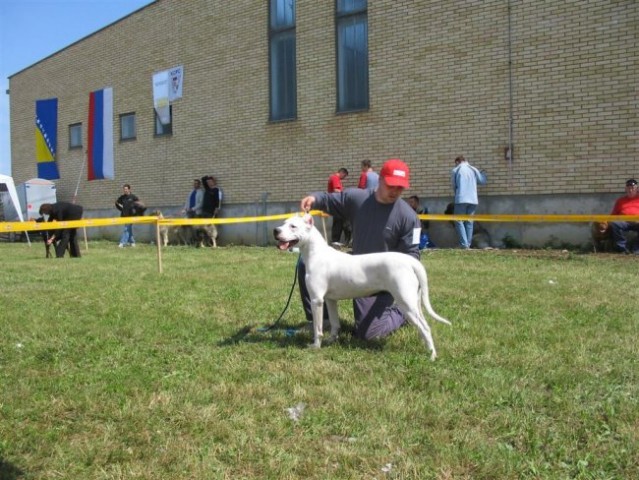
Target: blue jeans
x=127, y=235
x=619, y=235
x=465, y=228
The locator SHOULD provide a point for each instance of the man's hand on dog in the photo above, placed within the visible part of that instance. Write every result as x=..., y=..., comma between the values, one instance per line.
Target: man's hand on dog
x=307, y=203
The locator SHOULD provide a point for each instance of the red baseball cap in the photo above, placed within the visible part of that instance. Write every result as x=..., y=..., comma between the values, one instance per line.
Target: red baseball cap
x=395, y=173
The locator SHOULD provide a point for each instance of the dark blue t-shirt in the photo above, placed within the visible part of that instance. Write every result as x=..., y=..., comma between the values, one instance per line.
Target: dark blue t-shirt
x=377, y=227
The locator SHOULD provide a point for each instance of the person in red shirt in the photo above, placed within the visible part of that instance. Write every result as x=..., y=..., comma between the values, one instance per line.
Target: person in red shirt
x=335, y=181
x=626, y=205
x=335, y=185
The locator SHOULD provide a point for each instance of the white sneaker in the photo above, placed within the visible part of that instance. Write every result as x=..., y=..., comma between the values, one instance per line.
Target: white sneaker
x=121, y=245
x=133, y=244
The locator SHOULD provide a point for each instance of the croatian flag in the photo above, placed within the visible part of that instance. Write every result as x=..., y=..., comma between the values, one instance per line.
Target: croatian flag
x=47, y=138
x=100, y=148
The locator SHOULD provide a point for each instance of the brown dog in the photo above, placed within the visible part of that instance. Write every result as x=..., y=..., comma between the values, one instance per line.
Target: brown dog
x=207, y=236
x=601, y=236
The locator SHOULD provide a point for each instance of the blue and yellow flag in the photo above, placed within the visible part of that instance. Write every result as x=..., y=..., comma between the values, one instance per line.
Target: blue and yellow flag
x=47, y=138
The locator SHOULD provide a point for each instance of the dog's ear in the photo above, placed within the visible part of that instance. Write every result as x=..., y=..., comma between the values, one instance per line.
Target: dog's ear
x=308, y=218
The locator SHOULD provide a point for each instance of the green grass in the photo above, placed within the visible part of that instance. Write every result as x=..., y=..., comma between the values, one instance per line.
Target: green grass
x=109, y=370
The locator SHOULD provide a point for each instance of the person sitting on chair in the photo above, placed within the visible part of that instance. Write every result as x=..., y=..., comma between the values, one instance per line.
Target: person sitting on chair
x=626, y=205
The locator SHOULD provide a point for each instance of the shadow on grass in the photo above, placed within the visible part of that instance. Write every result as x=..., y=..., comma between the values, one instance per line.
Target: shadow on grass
x=288, y=336
x=9, y=471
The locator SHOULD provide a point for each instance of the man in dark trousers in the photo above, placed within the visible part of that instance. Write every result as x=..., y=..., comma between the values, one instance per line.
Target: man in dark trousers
x=126, y=204
x=63, y=212
x=212, y=200
x=382, y=222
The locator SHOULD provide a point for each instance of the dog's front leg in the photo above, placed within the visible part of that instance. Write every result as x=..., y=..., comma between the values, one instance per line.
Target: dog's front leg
x=317, y=308
x=333, y=316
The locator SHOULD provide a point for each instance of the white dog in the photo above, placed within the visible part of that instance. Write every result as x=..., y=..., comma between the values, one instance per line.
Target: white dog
x=164, y=230
x=332, y=275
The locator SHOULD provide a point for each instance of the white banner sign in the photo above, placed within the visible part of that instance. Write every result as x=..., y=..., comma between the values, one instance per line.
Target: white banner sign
x=161, y=96
x=176, y=75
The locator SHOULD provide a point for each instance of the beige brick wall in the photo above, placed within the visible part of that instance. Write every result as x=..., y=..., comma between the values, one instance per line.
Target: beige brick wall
x=439, y=87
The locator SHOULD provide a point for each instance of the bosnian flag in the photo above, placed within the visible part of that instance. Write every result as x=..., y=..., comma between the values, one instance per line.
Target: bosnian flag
x=100, y=148
x=47, y=138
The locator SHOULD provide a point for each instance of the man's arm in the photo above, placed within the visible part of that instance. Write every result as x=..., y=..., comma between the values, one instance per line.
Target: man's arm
x=409, y=228
x=331, y=203
x=481, y=176
x=409, y=241
x=199, y=197
x=484, y=178
x=216, y=199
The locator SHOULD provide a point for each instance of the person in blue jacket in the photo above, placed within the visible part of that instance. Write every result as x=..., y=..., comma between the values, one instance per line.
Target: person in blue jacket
x=464, y=179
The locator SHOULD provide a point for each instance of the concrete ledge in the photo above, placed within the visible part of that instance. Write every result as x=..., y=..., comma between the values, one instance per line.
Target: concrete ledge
x=443, y=234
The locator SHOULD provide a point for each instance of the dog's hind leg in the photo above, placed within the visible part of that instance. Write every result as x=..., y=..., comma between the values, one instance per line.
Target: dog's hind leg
x=420, y=322
x=410, y=306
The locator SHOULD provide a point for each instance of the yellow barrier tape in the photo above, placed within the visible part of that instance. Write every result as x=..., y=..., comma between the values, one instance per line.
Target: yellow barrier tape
x=532, y=218
x=223, y=221
x=31, y=226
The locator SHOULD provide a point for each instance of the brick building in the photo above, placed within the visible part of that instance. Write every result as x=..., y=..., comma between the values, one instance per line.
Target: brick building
x=279, y=94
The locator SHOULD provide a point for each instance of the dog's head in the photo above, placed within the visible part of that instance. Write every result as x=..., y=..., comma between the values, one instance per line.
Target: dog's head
x=157, y=213
x=600, y=229
x=295, y=230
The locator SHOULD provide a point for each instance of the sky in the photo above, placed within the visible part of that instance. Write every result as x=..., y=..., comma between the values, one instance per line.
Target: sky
x=31, y=30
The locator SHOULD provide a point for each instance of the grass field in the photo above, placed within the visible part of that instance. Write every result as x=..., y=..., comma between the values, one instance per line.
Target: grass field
x=109, y=370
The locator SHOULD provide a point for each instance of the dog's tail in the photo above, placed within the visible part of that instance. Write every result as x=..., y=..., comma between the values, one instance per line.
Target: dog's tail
x=420, y=271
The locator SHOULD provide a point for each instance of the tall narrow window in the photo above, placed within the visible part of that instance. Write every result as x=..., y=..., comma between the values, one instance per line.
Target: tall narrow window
x=127, y=126
x=75, y=135
x=163, y=129
x=351, y=19
x=283, y=76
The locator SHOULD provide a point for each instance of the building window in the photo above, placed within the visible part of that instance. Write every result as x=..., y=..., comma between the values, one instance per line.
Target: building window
x=75, y=135
x=283, y=77
x=351, y=21
x=127, y=126
x=163, y=129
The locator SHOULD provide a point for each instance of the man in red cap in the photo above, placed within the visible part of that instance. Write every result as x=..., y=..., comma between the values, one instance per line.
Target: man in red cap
x=626, y=205
x=381, y=222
